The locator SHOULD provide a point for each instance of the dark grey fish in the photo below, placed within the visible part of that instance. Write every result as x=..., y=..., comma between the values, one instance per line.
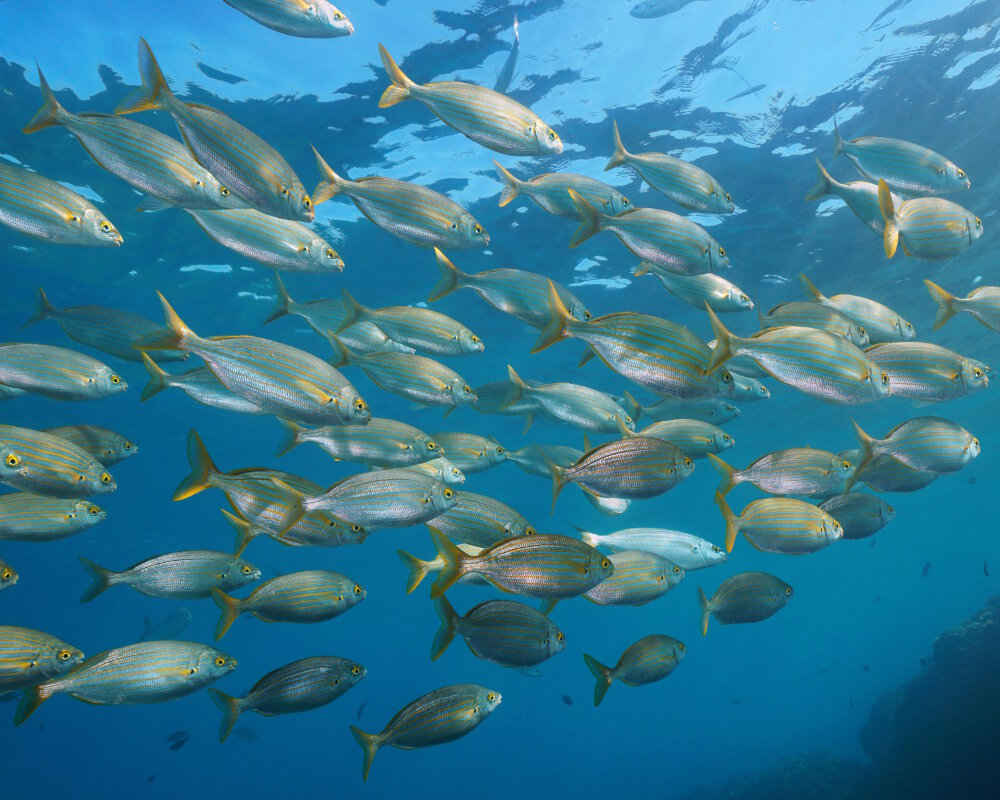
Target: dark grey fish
x=927, y=568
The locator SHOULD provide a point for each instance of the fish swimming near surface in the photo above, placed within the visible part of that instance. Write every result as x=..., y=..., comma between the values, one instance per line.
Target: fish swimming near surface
x=651, y=9
x=746, y=597
x=506, y=74
x=37, y=206
x=692, y=437
x=483, y=115
x=928, y=372
x=686, y=184
x=815, y=315
x=650, y=659
x=57, y=373
x=927, y=227
x=797, y=470
x=103, y=444
x=861, y=197
x=380, y=443
x=28, y=657
x=781, y=525
x=860, y=515
x=722, y=295
x=715, y=410
x=471, y=452
x=241, y=160
x=638, y=578
x=880, y=322
x=481, y=521
x=929, y=444
x=200, y=384
x=303, y=685
x=45, y=464
x=983, y=303
x=169, y=627
x=687, y=551
x=27, y=517
x=435, y=718
x=550, y=192
x=315, y=19
x=420, y=569
x=580, y=406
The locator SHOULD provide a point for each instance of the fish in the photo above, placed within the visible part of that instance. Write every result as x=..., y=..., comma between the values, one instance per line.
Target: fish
x=861, y=197
x=315, y=19
x=722, y=295
x=27, y=517
x=865, y=668
x=706, y=409
x=178, y=735
x=481, y=521
x=797, y=470
x=168, y=628
x=692, y=437
x=880, y=322
x=534, y=458
x=651, y=9
x=748, y=390
x=489, y=118
x=105, y=445
x=655, y=353
x=303, y=685
x=420, y=569
x=380, y=443
x=986, y=568
x=421, y=329
x=807, y=314
x=550, y=192
x=281, y=244
x=926, y=569
x=746, y=597
x=686, y=184
x=110, y=330
x=57, y=373
x=524, y=295
x=509, y=65
x=471, y=452
x=815, y=362
x=281, y=379
x=781, y=525
x=242, y=161
x=28, y=657
x=687, y=551
x=661, y=237
x=860, y=515
x=37, y=206
x=440, y=469
x=927, y=227
x=627, y=468
x=303, y=597
x=437, y=717
x=391, y=498
x=413, y=213
x=546, y=566
x=262, y=507
x=498, y=398
x=415, y=377
x=150, y=672
x=650, y=659
x=361, y=708
x=567, y=699
x=928, y=372
x=178, y=744
x=8, y=575
x=570, y=403
x=639, y=577
x=324, y=316
x=886, y=473
x=44, y=464
x=158, y=166
x=928, y=444
x=185, y=575
x=905, y=167
x=505, y=632
x=200, y=384
x=983, y=303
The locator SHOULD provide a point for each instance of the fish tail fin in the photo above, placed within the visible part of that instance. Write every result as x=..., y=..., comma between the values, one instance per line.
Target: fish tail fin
x=705, y=613
x=810, y=289
x=838, y=142
x=203, y=469
x=245, y=531
x=890, y=236
x=290, y=439
x=42, y=308
x=519, y=386
x=732, y=523
x=102, y=579
x=31, y=699
x=587, y=537
x=48, y=114
x=642, y=268
x=590, y=219
x=172, y=337
x=401, y=87
x=723, y=343
x=295, y=502
x=230, y=611
x=725, y=471
x=558, y=479
x=867, y=446
x=822, y=187
x=603, y=675
x=512, y=186
x=154, y=91
x=450, y=280
x=558, y=325
x=157, y=378
x=341, y=355
x=945, y=300
x=418, y=569
x=353, y=311
x=453, y=559
x=449, y=621
x=369, y=743
x=632, y=406
x=282, y=302
x=230, y=707
x=621, y=154
x=332, y=184
x=147, y=629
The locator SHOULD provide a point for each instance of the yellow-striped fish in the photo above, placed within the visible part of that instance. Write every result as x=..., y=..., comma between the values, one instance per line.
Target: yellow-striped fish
x=481, y=521
x=199, y=384
x=886, y=473
x=420, y=569
x=380, y=443
x=748, y=390
x=155, y=164
x=150, y=672
x=928, y=444
x=880, y=322
x=310, y=19
x=573, y=404
x=708, y=409
x=692, y=437
x=240, y=159
x=44, y=464
x=797, y=470
x=929, y=372
x=639, y=578
x=27, y=517
x=859, y=196
x=105, y=445
x=747, y=597
x=780, y=525
x=471, y=452
x=34, y=205
x=56, y=372
x=721, y=295
x=815, y=315
x=8, y=575
x=28, y=657
x=483, y=115
x=686, y=184
x=983, y=303
x=860, y=515
x=412, y=212
x=435, y=718
x=650, y=659
x=927, y=227
x=550, y=192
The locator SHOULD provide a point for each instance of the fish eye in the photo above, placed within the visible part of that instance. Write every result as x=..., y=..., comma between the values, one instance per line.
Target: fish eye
x=975, y=441
x=105, y=478
x=13, y=460
x=677, y=570
x=979, y=222
x=743, y=298
x=552, y=135
x=106, y=227
x=431, y=446
x=455, y=471
x=885, y=379
x=127, y=445
x=357, y=590
x=628, y=420
x=560, y=637
x=356, y=528
x=448, y=494
x=529, y=531
x=93, y=510
x=727, y=377
x=530, y=130
x=722, y=252
x=247, y=570
x=890, y=509
x=454, y=226
x=474, y=339
x=977, y=372
x=355, y=670
x=477, y=228
x=307, y=202
x=500, y=450
x=788, y=591
x=845, y=464
x=625, y=201
x=220, y=661
x=115, y=380
x=65, y=655
x=605, y=563
x=687, y=461
x=467, y=390
x=491, y=697
x=961, y=173
x=726, y=437
x=284, y=191
x=729, y=198
x=716, y=549
x=224, y=191
x=338, y=16
x=586, y=316
x=6, y=575
x=360, y=405
x=330, y=253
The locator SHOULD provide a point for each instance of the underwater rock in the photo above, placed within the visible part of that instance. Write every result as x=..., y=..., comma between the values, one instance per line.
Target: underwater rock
x=816, y=776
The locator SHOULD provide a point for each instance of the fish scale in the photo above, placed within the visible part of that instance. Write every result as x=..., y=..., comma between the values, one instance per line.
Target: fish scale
x=200, y=384
x=576, y=405
x=380, y=443
x=629, y=468
x=506, y=632
x=51, y=465
x=638, y=578
x=746, y=597
x=481, y=521
x=28, y=657
x=415, y=377
x=929, y=372
x=928, y=444
x=815, y=315
x=310, y=596
x=30, y=517
x=56, y=372
x=880, y=322
x=781, y=525
x=796, y=470
x=186, y=574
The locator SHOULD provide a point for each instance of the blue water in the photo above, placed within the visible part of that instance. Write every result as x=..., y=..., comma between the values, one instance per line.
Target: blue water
x=923, y=70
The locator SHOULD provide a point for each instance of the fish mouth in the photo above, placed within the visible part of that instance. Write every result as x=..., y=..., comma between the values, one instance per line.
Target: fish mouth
x=349, y=28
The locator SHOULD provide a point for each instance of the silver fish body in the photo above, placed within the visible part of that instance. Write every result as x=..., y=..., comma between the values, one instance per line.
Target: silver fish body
x=28, y=657
x=380, y=443
x=927, y=444
x=44, y=464
x=860, y=515
x=929, y=372
x=200, y=384
x=796, y=470
x=927, y=227
x=815, y=315
x=57, y=373
x=861, y=197
x=880, y=322
x=721, y=295
x=638, y=578
x=317, y=19
x=687, y=551
x=573, y=404
x=746, y=597
x=748, y=390
x=30, y=517
x=534, y=458
x=471, y=452
x=692, y=437
x=983, y=303
x=550, y=192
x=103, y=444
x=715, y=410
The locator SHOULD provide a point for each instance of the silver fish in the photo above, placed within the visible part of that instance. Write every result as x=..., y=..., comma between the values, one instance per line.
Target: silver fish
x=747, y=597
x=56, y=372
x=639, y=578
x=315, y=19
x=928, y=372
x=650, y=659
x=686, y=550
x=860, y=515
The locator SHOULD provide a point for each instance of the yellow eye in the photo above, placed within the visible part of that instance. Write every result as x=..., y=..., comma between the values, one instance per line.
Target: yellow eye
x=105, y=478
x=729, y=199
x=65, y=655
x=448, y=493
x=552, y=135
x=431, y=446
x=474, y=339
x=467, y=390
x=845, y=464
x=624, y=202
x=529, y=531
x=725, y=437
x=360, y=405
x=478, y=229
x=977, y=372
x=247, y=570
x=491, y=697
x=628, y=420
x=722, y=252
x=355, y=670
x=338, y=16
x=890, y=509
x=330, y=253
x=307, y=202
x=94, y=510
x=677, y=570
x=500, y=451
x=220, y=661
x=975, y=441
x=224, y=191
x=727, y=377
x=6, y=575
x=356, y=528
x=716, y=549
x=961, y=174
x=885, y=378
x=358, y=590
x=586, y=316
x=127, y=445
x=106, y=227
x=12, y=460
x=979, y=222
x=788, y=591
x=605, y=563
x=115, y=380
x=687, y=461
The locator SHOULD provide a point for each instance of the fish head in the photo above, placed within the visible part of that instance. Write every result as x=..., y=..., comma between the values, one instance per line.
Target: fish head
x=218, y=196
x=974, y=226
x=673, y=574
x=887, y=513
x=469, y=342
x=489, y=699
x=858, y=335
x=739, y=300
x=905, y=329
x=554, y=641
x=356, y=594
x=352, y=407
x=347, y=532
x=724, y=382
x=349, y=675
x=441, y=497
x=108, y=382
x=783, y=593
x=323, y=257
x=11, y=462
x=599, y=566
x=684, y=466
x=955, y=178
x=215, y=663
x=975, y=375
x=462, y=393
x=722, y=440
x=88, y=512
x=577, y=310
x=973, y=448
x=881, y=386
x=842, y=469
x=722, y=201
x=94, y=223
x=467, y=231
x=424, y=445
x=546, y=139
x=711, y=554
x=331, y=17
x=621, y=419
x=717, y=257
x=102, y=483
x=496, y=453
x=8, y=576
x=832, y=529
x=241, y=572
x=616, y=204
x=448, y=472
x=122, y=448
x=58, y=658
x=297, y=201
x=680, y=650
